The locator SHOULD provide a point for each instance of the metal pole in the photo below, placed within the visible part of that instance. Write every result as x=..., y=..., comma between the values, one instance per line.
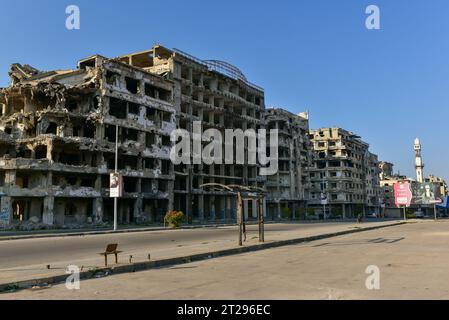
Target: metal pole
x=240, y=217
x=116, y=171
x=260, y=219
x=405, y=213
x=435, y=211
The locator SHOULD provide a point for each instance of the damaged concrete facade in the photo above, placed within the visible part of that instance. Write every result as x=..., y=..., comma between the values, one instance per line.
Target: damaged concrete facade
x=345, y=172
x=57, y=143
x=287, y=191
x=58, y=134
x=219, y=95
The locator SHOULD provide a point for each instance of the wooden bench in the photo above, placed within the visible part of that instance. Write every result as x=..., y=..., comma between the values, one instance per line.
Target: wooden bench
x=110, y=249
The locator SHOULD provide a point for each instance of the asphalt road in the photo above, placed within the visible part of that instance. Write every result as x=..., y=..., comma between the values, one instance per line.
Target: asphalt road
x=412, y=259
x=42, y=251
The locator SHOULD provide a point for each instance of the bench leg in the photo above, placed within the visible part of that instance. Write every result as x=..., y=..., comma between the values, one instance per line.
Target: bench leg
x=116, y=259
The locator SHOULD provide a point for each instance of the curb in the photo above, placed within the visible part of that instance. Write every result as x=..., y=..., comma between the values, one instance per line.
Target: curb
x=141, y=266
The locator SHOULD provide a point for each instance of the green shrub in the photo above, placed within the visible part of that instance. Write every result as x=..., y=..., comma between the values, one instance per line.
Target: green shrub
x=286, y=213
x=174, y=218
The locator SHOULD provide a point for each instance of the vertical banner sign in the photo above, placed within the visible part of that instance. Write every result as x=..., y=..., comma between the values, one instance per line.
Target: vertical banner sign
x=116, y=185
x=5, y=216
x=402, y=194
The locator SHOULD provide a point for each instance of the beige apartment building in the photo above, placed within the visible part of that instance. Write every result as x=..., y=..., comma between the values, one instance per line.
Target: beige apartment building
x=343, y=173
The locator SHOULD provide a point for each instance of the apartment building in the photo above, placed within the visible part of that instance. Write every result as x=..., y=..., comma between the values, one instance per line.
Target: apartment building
x=287, y=191
x=343, y=173
x=58, y=143
x=218, y=95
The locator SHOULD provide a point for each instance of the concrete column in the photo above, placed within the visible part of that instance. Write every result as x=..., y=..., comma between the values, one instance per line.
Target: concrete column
x=228, y=209
x=97, y=210
x=201, y=207
x=233, y=213
x=222, y=207
x=245, y=209
x=48, y=214
x=137, y=210
x=171, y=195
x=254, y=207
x=212, y=214
x=50, y=151
x=279, y=210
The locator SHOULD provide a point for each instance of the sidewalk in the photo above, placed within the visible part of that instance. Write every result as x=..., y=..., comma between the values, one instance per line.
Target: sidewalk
x=189, y=247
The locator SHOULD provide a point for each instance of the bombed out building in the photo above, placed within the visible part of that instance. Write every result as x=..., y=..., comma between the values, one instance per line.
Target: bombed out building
x=218, y=95
x=58, y=138
x=287, y=190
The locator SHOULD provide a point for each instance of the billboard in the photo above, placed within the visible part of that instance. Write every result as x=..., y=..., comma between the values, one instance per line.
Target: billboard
x=426, y=194
x=402, y=194
x=116, y=185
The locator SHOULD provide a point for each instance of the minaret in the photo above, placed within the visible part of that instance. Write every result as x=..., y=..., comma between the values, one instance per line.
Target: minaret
x=419, y=165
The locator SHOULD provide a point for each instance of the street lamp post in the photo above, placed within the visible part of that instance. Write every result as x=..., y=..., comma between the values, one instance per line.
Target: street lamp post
x=116, y=171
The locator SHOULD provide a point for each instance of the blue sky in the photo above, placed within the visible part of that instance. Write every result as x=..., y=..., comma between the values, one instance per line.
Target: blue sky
x=387, y=85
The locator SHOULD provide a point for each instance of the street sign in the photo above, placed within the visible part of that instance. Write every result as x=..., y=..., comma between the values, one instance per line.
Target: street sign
x=402, y=194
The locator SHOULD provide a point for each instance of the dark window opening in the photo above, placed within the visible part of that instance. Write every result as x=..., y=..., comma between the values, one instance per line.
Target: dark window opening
x=72, y=106
x=150, y=90
x=109, y=133
x=111, y=77
x=164, y=95
x=150, y=140
x=70, y=209
x=166, y=167
x=166, y=141
x=22, y=181
x=52, y=128
x=117, y=108
x=132, y=85
x=151, y=114
x=163, y=185
x=127, y=163
x=166, y=116
x=133, y=108
x=88, y=182
x=69, y=159
x=130, y=185
x=147, y=185
x=130, y=134
x=89, y=131
x=41, y=152
x=149, y=163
